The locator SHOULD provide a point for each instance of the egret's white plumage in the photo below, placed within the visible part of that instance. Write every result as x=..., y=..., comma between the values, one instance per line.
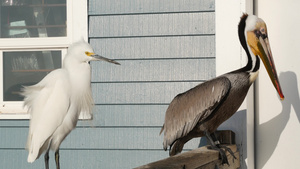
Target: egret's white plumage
x=56, y=101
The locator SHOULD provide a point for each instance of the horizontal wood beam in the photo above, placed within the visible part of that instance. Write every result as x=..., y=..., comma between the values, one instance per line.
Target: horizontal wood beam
x=200, y=158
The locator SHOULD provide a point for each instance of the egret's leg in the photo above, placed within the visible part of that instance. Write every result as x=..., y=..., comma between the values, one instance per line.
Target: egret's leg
x=46, y=157
x=57, y=159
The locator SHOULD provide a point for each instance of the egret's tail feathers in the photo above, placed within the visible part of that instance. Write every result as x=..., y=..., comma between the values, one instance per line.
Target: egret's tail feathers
x=32, y=156
x=33, y=151
x=30, y=93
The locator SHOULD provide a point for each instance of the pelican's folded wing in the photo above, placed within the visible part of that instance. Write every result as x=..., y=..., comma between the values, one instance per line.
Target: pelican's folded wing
x=195, y=105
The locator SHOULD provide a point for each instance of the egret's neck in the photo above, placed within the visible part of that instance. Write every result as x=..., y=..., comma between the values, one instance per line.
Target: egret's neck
x=80, y=73
x=80, y=78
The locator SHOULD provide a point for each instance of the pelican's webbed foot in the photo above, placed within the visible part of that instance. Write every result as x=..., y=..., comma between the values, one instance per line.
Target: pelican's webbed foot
x=222, y=154
x=229, y=150
x=215, y=145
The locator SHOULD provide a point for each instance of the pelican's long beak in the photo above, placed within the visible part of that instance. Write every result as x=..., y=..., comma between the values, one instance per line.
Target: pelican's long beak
x=98, y=57
x=267, y=58
x=262, y=48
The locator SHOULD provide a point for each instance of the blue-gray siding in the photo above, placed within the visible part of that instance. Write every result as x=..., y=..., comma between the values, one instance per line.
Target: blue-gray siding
x=164, y=47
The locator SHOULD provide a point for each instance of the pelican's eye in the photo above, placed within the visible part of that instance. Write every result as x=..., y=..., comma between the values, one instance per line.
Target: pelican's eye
x=263, y=33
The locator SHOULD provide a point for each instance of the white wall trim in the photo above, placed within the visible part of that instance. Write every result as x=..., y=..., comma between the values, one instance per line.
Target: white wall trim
x=231, y=56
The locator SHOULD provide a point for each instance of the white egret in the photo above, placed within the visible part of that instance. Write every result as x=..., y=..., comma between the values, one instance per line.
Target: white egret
x=57, y=100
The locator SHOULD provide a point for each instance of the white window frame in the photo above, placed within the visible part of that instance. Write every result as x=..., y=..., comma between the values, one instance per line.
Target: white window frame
x=77, y=28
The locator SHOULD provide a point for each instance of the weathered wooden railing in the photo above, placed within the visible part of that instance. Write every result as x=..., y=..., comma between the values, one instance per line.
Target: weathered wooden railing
x=200, y=158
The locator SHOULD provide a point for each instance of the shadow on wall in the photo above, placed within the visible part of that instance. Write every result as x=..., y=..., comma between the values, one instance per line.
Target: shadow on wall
x=275, y=126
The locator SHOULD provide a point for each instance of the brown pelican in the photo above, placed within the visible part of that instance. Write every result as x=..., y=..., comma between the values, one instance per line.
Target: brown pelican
x=199, y=111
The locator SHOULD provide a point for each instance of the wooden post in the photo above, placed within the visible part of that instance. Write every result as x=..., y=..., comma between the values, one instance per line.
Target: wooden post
x=201, y=158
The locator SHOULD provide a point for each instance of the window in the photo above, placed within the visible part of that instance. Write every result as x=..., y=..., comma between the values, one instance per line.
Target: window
x=34, y=36
x=36, y=18
x=26, y=68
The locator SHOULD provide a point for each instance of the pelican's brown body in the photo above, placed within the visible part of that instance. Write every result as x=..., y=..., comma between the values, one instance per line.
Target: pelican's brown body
x=201, y=110
x=218, y=110
x=231, y=102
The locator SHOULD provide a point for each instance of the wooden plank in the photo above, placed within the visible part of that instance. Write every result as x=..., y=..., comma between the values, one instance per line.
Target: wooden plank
x=154, y=70
x=202, y=158
x=152, y=25
x=137, y=138
x=139, y=93
x=155, y=47
x=103, y=7
x=86, y=159
x=233, y=163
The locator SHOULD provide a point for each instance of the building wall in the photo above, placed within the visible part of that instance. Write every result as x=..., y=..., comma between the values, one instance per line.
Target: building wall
x=277, y=121
x=165, y=48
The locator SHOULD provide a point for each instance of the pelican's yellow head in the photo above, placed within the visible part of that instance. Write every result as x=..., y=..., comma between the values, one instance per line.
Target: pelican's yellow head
x=256, y=41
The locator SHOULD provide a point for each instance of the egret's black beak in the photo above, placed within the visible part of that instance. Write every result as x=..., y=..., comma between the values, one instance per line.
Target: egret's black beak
x=98, y=57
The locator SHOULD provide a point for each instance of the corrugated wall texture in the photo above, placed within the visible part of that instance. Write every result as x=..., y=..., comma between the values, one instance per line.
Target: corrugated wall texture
x=165, y=48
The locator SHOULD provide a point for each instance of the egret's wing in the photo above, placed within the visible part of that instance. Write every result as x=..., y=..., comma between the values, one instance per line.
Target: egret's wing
x=195, y=105
x=48, y=103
